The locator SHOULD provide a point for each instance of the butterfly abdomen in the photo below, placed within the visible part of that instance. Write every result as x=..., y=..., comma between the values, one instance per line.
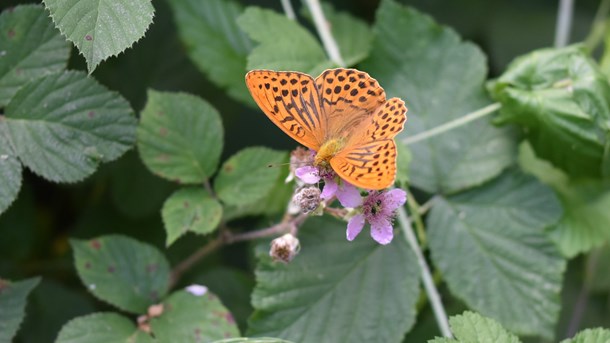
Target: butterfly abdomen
x=329, y=149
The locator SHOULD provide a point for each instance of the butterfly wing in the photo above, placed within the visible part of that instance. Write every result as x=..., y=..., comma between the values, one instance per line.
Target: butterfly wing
x=369, y=159
x=292, y=102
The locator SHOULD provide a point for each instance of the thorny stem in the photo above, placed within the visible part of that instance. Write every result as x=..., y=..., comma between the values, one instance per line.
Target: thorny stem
x=435, y=300
x=287, y=6
x=323, y=28
x=564, y=23
x=450, y=125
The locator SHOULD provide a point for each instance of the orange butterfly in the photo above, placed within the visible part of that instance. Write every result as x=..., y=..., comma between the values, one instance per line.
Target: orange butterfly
x=343, y=115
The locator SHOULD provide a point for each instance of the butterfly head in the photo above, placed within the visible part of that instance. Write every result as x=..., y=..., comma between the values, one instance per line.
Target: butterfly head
x=327, y=151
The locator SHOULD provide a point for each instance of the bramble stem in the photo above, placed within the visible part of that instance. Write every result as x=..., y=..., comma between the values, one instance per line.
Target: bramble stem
x=287, y=6
x=450, y=125
x=564, y=23
x=429, y=286
x=332, y=49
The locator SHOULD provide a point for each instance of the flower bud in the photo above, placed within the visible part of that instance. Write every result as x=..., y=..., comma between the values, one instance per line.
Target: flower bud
x=307, y=199
x=284, y=248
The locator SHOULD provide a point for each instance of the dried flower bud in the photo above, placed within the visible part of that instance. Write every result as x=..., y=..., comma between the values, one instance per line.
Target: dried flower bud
x=155, y=310
x=307, y=198
x=298, y=158
x=285, y=248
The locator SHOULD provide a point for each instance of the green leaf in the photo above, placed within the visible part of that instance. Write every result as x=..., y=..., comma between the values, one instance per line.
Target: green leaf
x=30, y=47
x=471, y=327
x=101, y=28
x=597, y=335
x=598, y=271
x=64, y=125
x=187, y=317
x=562, y=100
x=284, y=44
x=441, y=79
x=180, y=137
x=335, y=290
x=403, y=161
x=122, y=271
x=10, y=169
x=12, y=302
x=586, y=220
x=214, y=42
x=247, y=176
x=490, y=245
x=102, y=328
x=253, y=340
x=190, y=209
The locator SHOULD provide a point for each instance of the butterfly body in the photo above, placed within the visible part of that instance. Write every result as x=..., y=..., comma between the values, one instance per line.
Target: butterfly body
x=343, y=115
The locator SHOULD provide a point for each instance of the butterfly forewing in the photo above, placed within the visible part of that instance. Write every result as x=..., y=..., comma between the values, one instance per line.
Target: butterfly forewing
x=292, y=102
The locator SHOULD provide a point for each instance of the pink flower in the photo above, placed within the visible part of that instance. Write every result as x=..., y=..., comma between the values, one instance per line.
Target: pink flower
x=378, y=210
x=348, y=194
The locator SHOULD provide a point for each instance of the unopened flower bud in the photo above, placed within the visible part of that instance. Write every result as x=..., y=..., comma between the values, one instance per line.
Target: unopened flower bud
x=285, y=248
x=307, y=199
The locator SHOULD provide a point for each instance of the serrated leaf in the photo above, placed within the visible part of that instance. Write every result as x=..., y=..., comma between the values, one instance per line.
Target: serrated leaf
x=13, y=296
x=490, y=245
x=562, y=98
x=64, y=125
x=284, y=44
x=253, y=340
x=335, y=290
x=30, y=47
x=180, y=137
x=247, y=176
x=190, y=209
x=102, y=328
x=188, y=317
x=586, y=220
x=597, y=335
x=214, y=42
x=122, y=271
x=471, y=327
x=441, y=79
x=101, y=28
x=10, y=169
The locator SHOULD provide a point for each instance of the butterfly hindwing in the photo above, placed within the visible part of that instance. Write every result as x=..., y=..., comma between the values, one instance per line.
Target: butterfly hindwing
x=387, y=121
x=292, y=102
x=369, y=166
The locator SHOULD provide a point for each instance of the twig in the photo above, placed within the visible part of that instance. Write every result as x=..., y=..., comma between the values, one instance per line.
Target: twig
x=287, y=6
x=429, y=286
x=564, y=23
x=453, y=124
x=323, y=28
x=190, y=261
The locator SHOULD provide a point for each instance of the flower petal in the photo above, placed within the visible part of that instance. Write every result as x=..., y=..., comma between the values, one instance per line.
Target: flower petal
x=330, y=189
x=349, y=195
x=308, y=174
x=354, y=226
x=393, y=199
x=382, y=232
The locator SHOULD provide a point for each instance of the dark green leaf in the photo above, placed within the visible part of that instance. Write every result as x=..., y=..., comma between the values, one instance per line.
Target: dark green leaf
x=440, y=78
x=190, y=209
x=30, y=47
x=561, y=97
x=101, y=28
x=335, y=290
x=180, y=137
x=122, y=271
x=102, y=328
x=491, y=247
x=10, y=169
x=13, y=296
x=188, y=317
x=64, y=125
x=214, y=42
x=471, y=327
x=598, y=335
x=247, y=176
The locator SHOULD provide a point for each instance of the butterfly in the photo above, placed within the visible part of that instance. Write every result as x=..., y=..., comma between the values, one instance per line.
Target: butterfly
x=342, y=115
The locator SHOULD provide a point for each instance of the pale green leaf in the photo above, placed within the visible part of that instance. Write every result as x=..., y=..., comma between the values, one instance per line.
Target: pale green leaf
x=180, y=137
x=64, y=125
x=247, y=176
x=597, y=335
x=187, y=317
x=190, y=209
x=102, y=328
x=284, y=44
x=13, y=298
x=30, y=47
x=471, y=327
x=490, y=245
x=10, y=169
x=101, y=28
x=335, y=290
x=122, y=271
x=441, y=79
x=214, y=42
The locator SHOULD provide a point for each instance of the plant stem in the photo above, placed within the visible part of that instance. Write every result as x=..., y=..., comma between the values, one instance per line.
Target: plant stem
x=598, y=28
x=450, y=125
x=564, y=23
x=417, y=219
x=332, y=49
x=429, y=286
x=288, y=9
